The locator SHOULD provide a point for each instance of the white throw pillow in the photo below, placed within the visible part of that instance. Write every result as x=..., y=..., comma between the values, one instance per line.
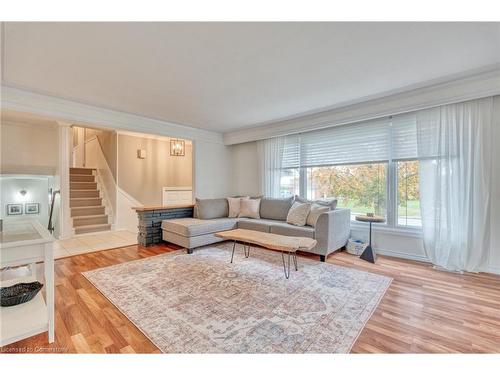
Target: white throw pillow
x=250, y=208
x=234, y=206
x=316, y=210
x=298, y=214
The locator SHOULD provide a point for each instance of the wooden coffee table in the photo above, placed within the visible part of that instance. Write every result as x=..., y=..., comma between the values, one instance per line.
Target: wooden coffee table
x=285, y=244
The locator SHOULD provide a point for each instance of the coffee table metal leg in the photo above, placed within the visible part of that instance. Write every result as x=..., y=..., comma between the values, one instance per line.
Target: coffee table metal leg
x=286, y=267
x=287, y=274
x=232, y=254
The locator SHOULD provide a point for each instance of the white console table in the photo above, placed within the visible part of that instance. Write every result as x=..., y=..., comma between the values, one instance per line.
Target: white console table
x=26, y=242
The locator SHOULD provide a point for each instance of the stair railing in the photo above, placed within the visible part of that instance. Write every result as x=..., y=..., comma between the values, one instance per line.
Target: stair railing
x=105, y=178
x=50, y=227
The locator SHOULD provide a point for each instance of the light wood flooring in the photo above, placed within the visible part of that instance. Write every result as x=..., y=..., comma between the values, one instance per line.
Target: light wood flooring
x=424, y=310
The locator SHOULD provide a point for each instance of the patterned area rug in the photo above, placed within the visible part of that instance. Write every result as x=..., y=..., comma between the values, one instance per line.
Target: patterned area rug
x=201, y=303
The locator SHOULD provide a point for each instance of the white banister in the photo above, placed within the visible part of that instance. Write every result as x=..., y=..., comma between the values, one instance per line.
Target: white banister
x=106, y=182
x=65, y=221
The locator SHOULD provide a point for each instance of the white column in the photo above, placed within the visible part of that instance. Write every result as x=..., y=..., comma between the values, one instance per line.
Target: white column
x=49, y=287
x=66, y=227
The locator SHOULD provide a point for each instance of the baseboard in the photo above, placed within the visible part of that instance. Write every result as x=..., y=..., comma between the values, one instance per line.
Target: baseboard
x=495, y=270
x=397, y=254
x=120, y=228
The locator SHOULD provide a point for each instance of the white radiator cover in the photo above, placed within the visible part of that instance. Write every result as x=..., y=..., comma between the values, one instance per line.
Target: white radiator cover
x=177, y=195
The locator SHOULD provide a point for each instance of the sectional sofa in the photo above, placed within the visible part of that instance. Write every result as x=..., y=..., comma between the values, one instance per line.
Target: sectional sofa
x=331, y=231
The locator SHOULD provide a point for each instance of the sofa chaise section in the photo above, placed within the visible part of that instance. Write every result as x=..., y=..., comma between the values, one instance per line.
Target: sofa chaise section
x=192, y=232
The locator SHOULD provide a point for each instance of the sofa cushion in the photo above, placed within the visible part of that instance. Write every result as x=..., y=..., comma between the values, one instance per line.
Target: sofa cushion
x=275, y=208
x=212, y=208
x=260, y=225
x=189, y=227
x=292, y=230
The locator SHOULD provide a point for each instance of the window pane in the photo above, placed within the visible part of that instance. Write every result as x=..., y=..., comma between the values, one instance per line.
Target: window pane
x=289, y=182
x=361, y=187
x=408, y=194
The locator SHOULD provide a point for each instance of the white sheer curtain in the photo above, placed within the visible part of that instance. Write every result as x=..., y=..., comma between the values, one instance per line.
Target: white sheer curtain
x=271, y=158
x=454, y=148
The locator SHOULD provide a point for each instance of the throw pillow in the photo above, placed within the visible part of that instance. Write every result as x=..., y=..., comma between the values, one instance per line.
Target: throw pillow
x=331, y=203
x=298, y=214
x=249, y=208
x=234, y=206
x=316, y=210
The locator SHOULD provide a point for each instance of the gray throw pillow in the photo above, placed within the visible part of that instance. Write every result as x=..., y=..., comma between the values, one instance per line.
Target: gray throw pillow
x=331, y=203
x=275, y=208
x=212, y=208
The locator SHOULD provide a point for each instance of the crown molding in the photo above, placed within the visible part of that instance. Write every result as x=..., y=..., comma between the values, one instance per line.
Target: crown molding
x=468, y=86
x=151, y=136
x=59, y=109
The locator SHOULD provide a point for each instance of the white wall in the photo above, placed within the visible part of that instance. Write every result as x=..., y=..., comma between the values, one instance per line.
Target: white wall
x=36, y=192
x=28, y=149
x=144, y=179
x=392, y=243
x=212, y=169
x=245, y=179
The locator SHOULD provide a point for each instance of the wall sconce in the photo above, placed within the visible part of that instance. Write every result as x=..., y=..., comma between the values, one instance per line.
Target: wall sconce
x=22, y=195
x=177, y=147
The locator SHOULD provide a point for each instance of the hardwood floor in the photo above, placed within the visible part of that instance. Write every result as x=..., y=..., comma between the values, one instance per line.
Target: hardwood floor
x=424, y=310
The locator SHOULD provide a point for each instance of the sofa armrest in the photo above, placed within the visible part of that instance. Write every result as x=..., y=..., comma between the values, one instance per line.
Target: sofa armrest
x=332, y=230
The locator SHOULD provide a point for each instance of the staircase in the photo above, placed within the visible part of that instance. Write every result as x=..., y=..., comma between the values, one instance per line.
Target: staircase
x=87, y=211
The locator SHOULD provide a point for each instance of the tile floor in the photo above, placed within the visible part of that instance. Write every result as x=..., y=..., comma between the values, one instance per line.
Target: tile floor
x=86, y=243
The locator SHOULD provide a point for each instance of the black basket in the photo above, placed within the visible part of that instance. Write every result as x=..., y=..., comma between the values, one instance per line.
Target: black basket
x=19, y=293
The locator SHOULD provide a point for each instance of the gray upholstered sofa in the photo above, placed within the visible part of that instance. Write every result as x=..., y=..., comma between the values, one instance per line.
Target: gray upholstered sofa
x=332, y=228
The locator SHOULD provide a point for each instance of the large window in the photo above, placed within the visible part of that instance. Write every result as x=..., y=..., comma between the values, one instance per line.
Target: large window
x=289, y=182
x=363, y=188
x=360, y=187
x=369, y=167
x=408, y=194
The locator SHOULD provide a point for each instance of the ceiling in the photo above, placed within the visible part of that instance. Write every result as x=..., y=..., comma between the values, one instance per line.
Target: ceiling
x=228, y=76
